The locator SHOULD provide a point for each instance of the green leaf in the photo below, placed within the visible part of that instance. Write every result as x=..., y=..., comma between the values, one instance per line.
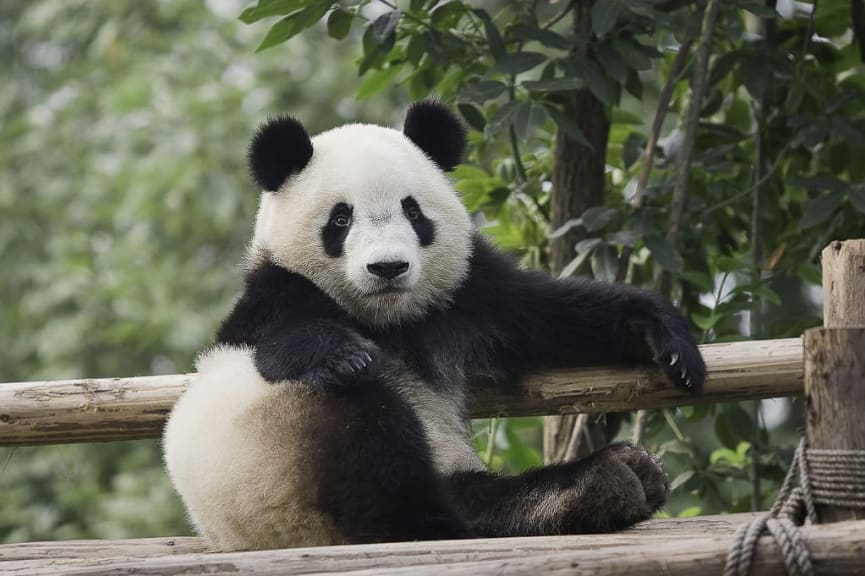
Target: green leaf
x=554, y=85
x=818, y=210
x=378, y=81
x=339, y=23
x=856, y=195
x=615, y=67
x=583, y=249
x=528, y=118
x=832, y=18
x=605, y=263
x=518, y=62
x=597, y=217
x=665, y=254
x=445, y=16
x=567, y=126
x=415, y=49
x=503, y=118
x=285, y=29
x=384, y=29
x=526, y=32
x=265, y=8
x=494, y=38
x=680, y=480
x=820, y=182
x=604, y=15
x=473, y=116
x=756, y=8
x=638, y=56
x=482, y=90
x=435, y=48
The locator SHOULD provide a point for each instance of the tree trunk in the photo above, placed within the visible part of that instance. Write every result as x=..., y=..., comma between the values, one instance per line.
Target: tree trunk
x=578, y=184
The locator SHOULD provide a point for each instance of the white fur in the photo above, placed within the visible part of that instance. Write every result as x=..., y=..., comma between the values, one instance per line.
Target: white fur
x=229, y=451
x=372, y=169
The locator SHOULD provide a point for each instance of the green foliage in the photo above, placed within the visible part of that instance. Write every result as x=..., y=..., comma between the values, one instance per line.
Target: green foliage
x=124, y=210
x=508, y=69
x=125, y=206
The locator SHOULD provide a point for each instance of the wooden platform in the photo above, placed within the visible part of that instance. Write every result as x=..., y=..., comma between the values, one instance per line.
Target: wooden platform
x=680, y=546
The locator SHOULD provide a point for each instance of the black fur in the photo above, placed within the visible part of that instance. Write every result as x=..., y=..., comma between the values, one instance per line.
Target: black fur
x=377, y=482
x=280, y=148
x=438, y=132
x=606, y=491
x=423, y=226
x=502, y=324
x=333, y=234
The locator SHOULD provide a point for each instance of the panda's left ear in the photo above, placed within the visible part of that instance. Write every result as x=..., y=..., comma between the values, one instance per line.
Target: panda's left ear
x=281, y=147
x=438, y=132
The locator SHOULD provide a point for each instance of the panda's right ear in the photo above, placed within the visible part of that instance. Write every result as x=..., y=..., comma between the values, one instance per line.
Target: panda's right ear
x=281, y=147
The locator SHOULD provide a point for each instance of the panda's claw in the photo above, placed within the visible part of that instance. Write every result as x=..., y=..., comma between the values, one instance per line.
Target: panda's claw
x=674, y=358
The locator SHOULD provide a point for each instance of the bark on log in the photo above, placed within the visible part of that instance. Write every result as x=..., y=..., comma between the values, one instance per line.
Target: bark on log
x=844, y=284
x=148, y=547
x=836, y=549
x=835, y=361
x=129, y=408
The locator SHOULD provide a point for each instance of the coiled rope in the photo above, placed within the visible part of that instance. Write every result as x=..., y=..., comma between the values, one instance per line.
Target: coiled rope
x=832, y=477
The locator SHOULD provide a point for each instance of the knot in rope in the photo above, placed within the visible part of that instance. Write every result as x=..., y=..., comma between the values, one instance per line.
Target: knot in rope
x=831, y=477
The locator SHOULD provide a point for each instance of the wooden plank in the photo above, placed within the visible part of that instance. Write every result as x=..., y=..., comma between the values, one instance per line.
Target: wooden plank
x=148, y=547
x=129, y=408
x=837, y=549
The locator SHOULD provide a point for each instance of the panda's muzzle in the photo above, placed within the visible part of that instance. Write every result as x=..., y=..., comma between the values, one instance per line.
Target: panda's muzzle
x=388, y=270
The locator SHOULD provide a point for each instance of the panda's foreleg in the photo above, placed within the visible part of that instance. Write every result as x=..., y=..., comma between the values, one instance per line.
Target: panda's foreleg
x=540, y=322
x=609, y=490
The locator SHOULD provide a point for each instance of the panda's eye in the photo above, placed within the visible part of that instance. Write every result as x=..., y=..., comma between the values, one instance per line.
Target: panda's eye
x=412, y=213
x=341, y=220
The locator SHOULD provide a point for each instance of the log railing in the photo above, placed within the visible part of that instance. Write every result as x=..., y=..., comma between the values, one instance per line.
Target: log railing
x=129, y=408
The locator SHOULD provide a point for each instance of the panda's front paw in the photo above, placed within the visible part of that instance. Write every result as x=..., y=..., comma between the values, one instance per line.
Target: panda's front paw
x=351, y=363
x=676, y=352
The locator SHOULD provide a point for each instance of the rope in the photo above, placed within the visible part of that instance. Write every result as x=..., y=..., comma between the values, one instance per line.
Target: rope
x=830, y=477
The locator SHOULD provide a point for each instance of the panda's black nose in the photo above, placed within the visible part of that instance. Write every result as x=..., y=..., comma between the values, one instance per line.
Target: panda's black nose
x=387, y=270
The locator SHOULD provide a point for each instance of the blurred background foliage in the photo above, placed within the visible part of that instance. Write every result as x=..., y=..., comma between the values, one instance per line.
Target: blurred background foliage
x=125, y=204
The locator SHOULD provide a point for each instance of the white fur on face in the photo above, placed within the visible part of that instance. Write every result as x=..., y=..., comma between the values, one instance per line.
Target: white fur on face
x=372, y=169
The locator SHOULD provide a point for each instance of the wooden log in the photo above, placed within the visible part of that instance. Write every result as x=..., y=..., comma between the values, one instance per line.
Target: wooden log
x=129, y=408
x=844, y=284
x=835, y=361
x=835, y=394
x=836, y=549
x=147, y=547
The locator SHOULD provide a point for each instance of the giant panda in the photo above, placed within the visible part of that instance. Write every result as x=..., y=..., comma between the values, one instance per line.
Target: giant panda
x=332, y=407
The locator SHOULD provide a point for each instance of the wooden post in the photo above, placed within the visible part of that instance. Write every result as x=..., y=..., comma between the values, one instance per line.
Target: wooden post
x=835, y=362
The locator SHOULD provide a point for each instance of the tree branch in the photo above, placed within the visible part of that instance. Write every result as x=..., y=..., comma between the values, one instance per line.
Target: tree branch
x=652, y=143
x=683, y=162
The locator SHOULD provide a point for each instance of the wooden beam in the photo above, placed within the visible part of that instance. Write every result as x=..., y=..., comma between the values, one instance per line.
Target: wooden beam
x=837, y=549
x=835, y=364
x=128, y=408
x=147, y=547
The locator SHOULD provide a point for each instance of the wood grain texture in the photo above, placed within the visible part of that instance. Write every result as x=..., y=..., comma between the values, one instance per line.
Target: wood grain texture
x=148, y=547
x=836, y=549
x=128, y=408
x=835, y=398
x=844, y=284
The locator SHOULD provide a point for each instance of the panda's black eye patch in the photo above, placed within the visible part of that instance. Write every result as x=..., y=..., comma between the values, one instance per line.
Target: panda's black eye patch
x=334, y=232
x=423, y=226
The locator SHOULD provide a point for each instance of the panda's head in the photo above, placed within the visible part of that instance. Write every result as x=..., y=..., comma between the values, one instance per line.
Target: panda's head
x=365, y=212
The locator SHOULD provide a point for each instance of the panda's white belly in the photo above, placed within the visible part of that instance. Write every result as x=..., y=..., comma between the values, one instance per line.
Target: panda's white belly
x=229, y=450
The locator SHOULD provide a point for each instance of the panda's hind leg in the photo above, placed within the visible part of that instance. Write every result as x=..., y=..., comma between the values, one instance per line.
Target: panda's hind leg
x=375, y=474
x=609, y=490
